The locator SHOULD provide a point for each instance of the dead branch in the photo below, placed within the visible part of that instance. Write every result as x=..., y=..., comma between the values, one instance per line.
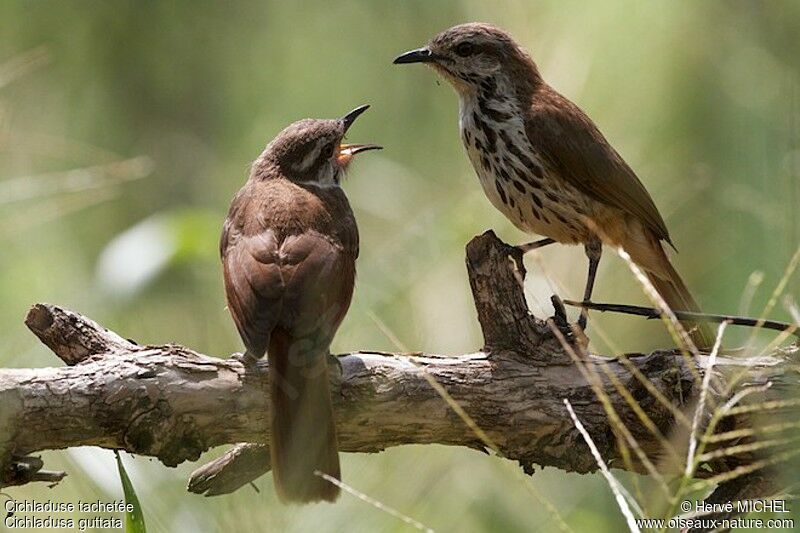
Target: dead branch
x=170, y=402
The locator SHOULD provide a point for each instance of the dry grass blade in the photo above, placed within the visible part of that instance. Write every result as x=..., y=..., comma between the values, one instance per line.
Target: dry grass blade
x=779, y=288
x=675, y=328
x=616, y=424
x=643, y=417
x=754, y=281
x=375, y=503
x=691, y=462
x=454, y=405
x=75, y=180
x=750, y=432
x=763, y=406
x=739, y=396
x=53, y=147
x=791, y=306
x=679, y=416
x=557, y=288
x=54, y=209
x=479, y=432
x=781, y=337
x=743, y=448
x=744, y=470
x=777, y=341
x=620, y=494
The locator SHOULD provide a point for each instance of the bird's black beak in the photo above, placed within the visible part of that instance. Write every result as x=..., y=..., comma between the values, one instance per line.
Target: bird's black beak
x=420, y=55
x=351, y=117
x=347, y=151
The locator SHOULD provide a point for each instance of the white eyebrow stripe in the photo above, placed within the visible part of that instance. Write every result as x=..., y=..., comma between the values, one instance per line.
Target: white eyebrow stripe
x=310, y=158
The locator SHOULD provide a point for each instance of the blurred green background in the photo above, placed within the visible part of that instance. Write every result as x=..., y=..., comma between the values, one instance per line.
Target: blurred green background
x=126, y=128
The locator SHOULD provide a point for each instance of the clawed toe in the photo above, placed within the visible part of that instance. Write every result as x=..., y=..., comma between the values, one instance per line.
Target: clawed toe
x=516, y=253
x=570, y=332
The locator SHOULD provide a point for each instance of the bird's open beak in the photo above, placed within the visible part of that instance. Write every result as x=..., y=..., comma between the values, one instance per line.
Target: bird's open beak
x=353, y=149
x=420, y=55
x=347, y=151
x=351, y=117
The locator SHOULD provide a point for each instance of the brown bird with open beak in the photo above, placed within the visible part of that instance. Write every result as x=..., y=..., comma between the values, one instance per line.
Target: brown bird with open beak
x=544, y=164
x=289, y=249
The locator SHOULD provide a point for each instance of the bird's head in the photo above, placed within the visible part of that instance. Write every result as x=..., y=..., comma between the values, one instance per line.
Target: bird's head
x=468, y=54
x=311, y=150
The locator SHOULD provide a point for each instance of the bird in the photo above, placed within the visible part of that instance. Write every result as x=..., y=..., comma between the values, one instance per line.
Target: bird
x=544, y=163
x=289, y=247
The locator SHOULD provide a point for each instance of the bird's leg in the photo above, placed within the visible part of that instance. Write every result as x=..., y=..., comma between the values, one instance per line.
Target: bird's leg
x=516, y=252
x=541, y=243
x=594, y=249
x=559, y=319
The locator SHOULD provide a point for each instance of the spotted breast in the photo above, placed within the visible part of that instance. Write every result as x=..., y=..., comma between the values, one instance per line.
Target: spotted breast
x=513, y=176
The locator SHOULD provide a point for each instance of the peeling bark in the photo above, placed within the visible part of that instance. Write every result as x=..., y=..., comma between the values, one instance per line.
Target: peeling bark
x=173, y=403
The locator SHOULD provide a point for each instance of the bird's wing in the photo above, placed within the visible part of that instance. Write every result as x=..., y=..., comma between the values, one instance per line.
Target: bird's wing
x=318, y=276
x=302, y=281
x=571, y=144
x=254, y=284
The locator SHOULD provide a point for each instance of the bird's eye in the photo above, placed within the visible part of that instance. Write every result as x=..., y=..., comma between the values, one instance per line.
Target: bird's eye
x=465, y=49
x=327, y=152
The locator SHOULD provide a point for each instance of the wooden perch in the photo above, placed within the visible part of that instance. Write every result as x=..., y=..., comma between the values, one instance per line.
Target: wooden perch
x=170, y=402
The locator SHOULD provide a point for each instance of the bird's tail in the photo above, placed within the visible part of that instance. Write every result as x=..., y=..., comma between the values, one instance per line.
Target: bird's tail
x=678, y=298
x=303, y=433
x=669, y=284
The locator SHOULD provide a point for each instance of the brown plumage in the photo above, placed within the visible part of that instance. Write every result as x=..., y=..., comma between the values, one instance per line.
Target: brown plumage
x=289, y=249
x=544, y=163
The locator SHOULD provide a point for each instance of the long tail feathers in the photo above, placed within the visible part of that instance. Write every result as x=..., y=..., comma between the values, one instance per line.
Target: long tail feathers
x=677, y=296
x=303, y=433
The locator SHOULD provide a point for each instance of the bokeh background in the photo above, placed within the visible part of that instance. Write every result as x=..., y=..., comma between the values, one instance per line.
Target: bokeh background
x=126, y=127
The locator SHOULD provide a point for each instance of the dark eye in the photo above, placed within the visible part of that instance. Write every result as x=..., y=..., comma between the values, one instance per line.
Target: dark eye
x=327, y=152
x=465, y=49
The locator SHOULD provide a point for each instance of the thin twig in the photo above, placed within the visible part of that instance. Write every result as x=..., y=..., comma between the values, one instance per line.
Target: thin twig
x=651, y=312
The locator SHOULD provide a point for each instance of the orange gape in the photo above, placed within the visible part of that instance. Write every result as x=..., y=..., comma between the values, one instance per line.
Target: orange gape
x=289, y=249
x=544, y=164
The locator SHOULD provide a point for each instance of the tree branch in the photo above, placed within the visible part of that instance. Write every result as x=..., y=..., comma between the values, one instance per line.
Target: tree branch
x=170, y=402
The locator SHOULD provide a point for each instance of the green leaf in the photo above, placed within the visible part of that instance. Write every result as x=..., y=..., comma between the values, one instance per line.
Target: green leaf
x=134, y=520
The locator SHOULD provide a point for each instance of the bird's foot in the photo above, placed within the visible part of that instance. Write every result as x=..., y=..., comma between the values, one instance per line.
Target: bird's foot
x=583, y=319
x=516, y=254
x=246, y=358
x=559, y=319
x=573, y=334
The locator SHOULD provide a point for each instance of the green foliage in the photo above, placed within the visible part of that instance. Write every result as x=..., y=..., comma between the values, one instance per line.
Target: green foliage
x=134, y=520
